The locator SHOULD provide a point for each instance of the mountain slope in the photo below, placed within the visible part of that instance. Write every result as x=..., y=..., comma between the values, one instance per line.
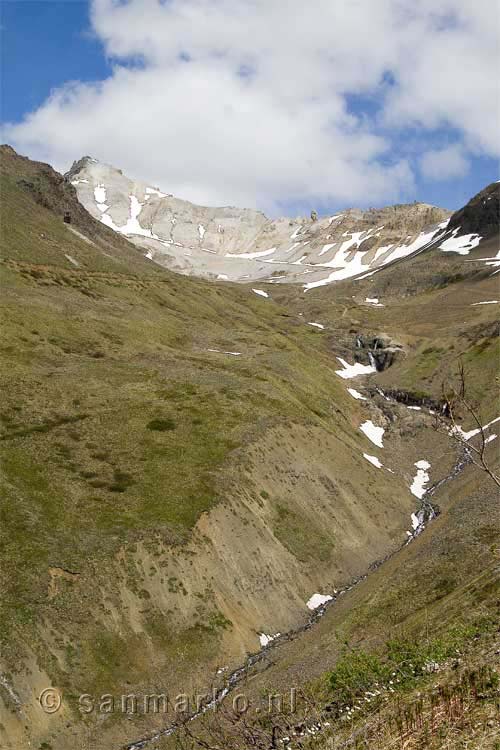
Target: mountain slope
x=238, y=244
x=183, y=465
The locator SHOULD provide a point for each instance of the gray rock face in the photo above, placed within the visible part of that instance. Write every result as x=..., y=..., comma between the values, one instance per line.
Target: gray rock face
x=242, y=244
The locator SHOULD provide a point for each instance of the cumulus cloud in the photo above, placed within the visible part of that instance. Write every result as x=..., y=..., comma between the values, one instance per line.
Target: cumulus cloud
x=445, y=163
x=249, y=102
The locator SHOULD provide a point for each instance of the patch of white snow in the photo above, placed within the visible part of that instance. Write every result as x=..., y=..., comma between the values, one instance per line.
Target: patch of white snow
x=352, y=371
x=374, y=460
x=373, y=433
x=317, y=600
x=420, y=479
x=355, y=394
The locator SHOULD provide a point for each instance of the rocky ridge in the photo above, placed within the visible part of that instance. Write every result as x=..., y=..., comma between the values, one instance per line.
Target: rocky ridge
x=233, y=244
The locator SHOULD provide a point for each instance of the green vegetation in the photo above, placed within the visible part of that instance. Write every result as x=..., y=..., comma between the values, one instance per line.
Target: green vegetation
x=161, y=425
x=308, y=542
x=401, y=664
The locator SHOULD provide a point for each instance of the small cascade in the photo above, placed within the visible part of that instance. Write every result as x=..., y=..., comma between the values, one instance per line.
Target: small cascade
x=372, y=360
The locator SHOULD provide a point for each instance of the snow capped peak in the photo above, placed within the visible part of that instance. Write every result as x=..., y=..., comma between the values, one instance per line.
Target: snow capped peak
x=244, y=244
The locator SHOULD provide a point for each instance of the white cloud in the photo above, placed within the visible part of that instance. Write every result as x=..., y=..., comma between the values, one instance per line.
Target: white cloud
x=443, y=164
x=258, y=114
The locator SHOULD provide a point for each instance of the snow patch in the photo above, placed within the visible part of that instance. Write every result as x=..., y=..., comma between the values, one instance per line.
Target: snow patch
x=266, y=639
x=317, y=600
x=374, y=460
x=415, y=521
x=100, y=194
x=352, y=371
x=420, y=479
x=316, y=325
x=356, y=394
x=260, y=292
x=251, y=256
x=373, y=433
x=461, y=245
x=457, y=430
x=487, y=302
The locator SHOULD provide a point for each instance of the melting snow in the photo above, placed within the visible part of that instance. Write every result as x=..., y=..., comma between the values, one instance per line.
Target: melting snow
x=354, y=267
x=235, y=354
x=100, y=194
x=132, y=226
x=222, y=276
x=420, y=480
x=374, y=460
x=461, y=245
x=72, y=260
x=316, y=325
x=468, y=435
x=373, y=433
x=260, y=292
x=250, y=256
x=352, y=371
x=373, y=301
x=356, y=394
x=201, y=231
x=265, y=639
x=488, y=302
x=317, y=600
x=415, y=521
x=415, y=408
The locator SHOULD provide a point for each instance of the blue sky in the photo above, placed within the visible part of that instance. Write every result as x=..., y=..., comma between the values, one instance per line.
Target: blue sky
x=45, y=44
x=48, y=45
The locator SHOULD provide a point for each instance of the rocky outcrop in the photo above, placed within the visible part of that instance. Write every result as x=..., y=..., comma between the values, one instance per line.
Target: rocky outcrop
x=481, y=215
x=379, y=351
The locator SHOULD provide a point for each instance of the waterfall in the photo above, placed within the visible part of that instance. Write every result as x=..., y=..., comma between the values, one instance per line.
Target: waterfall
x=372, y=360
